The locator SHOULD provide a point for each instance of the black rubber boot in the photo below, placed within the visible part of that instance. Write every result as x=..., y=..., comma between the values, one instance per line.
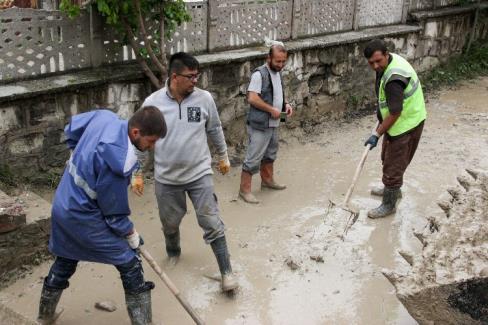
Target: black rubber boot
x=173, y=244
x=378, y=191
x=47, y=305
x=388, y=206
x=219, y=247
x=139, y=308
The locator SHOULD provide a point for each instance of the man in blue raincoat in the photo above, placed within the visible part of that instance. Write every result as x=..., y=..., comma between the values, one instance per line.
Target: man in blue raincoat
x=90, y=212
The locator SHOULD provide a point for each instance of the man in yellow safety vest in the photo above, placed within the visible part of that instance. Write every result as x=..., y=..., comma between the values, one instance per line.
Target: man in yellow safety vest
x=401, y=114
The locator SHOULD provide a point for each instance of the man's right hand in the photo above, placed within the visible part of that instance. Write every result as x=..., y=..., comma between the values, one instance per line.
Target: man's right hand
x=134, y=239
x=275, y=113
x=372, y=140
x=137, y=184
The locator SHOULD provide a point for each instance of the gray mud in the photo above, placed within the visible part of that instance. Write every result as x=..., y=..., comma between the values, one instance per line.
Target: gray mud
x=292, y=225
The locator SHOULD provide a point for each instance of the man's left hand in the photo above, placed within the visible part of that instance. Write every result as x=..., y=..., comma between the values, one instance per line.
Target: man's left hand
x=289, y=110
x=224, y=164
x=137, y=183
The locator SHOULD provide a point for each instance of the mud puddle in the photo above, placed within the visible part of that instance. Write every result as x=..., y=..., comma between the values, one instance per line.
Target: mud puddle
x=332, y=281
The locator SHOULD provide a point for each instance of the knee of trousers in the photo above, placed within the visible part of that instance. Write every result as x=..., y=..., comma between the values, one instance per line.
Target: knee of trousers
x=132, y=276
x=59, y=274
x=216, y=232
x=251, y=168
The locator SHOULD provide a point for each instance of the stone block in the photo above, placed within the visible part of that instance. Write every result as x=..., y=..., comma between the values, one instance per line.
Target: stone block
x=134, y=92
x=311, y=57
x=444, y=47
x=431, y=29
x=427, y=63
x=315, y=84
x=395, y=44
x=339, y=69
x=8, y=119
x=125, y=110
x=245, y=72
x=447, y=30
x=225, y=75
x=111, y=95
x=26, y=144
x=333, y=85
x=412, y=41
x=12, y=215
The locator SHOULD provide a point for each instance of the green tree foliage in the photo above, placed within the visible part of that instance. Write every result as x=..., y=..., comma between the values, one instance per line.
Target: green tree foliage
x=144, y=24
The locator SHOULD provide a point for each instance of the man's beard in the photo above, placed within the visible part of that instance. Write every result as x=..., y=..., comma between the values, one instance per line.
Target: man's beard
x=273, y=67
x=137, y=144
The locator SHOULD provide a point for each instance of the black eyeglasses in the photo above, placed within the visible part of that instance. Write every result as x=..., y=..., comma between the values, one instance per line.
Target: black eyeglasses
x=191, y=77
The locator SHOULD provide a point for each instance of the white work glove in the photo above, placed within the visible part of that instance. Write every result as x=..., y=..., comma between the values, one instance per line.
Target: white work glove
x=224, y=163
x=133, y=239
x=137, y=183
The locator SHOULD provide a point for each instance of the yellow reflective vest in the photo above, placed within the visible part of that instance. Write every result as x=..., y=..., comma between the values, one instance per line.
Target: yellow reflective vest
x=413, y=111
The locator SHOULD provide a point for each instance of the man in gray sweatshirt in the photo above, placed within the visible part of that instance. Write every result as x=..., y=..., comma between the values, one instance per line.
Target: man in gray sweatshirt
x=182, y=161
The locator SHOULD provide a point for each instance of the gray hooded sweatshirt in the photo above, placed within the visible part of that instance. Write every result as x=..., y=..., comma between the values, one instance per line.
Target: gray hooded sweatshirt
x=183, y=156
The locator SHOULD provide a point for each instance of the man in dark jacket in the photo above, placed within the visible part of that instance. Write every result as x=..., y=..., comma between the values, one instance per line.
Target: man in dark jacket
x=90, y=213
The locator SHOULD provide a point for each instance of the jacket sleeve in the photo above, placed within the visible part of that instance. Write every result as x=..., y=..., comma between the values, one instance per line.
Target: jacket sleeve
x=213, y=127
x=113, y=201
x=76, y=127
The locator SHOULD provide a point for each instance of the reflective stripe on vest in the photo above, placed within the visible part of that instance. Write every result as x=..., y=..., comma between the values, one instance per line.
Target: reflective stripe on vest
x=413, y=111
x=79, y=181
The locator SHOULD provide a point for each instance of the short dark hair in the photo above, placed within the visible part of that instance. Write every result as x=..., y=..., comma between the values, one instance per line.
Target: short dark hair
x=182, y=60
x=276, y=48
x=150, y=121
x=373, y=46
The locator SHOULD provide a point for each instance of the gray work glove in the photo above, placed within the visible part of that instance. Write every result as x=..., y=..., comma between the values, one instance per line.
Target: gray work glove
x=372, y=140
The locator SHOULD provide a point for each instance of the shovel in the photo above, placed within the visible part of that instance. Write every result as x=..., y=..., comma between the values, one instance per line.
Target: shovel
x=352, y=213
x=171, y=286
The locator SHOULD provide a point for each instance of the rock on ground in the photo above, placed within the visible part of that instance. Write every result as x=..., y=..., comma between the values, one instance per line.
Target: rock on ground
x=448, y=284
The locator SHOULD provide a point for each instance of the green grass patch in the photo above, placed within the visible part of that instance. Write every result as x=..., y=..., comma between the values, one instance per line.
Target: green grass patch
x=465, y=66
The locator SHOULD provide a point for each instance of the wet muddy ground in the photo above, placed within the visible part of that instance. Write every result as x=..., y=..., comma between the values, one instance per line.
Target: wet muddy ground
x=335, y=281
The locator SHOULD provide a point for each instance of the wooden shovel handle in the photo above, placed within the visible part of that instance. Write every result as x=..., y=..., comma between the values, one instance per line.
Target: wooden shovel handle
x=356, y=175
x=171, y=286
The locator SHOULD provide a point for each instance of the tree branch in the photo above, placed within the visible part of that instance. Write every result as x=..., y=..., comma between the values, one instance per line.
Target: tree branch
x=162, y=43
x=147, y=42
x=147, y=71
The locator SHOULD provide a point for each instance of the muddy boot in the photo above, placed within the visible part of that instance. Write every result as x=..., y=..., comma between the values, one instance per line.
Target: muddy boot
x=47, y=305
x=139, y=307
x=245, y=189
x=173, y=248
x=219, y=247
x=388, y=205
x=378, y=191
x=267, y=179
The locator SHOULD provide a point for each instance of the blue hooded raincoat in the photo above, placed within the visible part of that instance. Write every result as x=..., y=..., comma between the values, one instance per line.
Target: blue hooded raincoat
x=90, y=208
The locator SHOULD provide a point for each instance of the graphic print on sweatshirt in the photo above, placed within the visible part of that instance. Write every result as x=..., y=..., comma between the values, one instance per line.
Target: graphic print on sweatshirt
x=194, y=114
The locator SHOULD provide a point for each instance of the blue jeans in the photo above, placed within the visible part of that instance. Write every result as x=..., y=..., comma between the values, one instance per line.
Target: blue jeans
x=131, y=274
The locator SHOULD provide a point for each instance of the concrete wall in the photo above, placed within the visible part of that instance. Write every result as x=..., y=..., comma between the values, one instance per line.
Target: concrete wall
x=324, y=77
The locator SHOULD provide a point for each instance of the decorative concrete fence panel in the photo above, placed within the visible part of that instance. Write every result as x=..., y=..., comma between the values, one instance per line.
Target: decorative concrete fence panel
x=189, y=37
x=418, y=5
x=378, y=12
x=312, y=17
x=236, y=23
x=34, y=42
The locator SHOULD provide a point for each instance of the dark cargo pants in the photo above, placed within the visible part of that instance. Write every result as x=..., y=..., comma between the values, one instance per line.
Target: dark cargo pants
x=397, y=153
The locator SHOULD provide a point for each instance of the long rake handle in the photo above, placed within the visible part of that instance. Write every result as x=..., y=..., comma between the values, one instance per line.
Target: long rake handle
x=356, y=176
x=171, y=286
